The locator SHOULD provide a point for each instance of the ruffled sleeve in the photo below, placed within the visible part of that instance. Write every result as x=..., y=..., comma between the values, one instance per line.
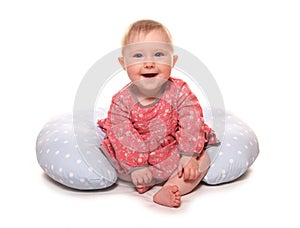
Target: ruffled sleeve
x=192, y=134
x=123, y=142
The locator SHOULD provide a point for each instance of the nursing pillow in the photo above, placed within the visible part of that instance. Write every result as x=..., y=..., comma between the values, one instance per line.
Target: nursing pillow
x=74, y=160
x=238, y=150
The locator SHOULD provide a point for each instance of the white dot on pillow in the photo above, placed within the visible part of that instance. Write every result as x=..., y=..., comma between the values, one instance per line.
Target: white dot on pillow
x=228, y=144
x=231, y=161
x=235, y=138
x=57, y=152
x=239, y=152
x=52, y=167
x=48, y=151
x=81, y=180
x=60, y=170
x=71, y=174
x=246, y=146
x=66, y=141
x=78, y=161
x=55, y=140
x=220, y=153
x=67, y=155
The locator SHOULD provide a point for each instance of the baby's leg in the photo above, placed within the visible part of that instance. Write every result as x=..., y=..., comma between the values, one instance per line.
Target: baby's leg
x=169, y=194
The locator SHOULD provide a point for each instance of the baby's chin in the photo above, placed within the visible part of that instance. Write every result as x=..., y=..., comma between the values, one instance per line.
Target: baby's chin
x=150, y=84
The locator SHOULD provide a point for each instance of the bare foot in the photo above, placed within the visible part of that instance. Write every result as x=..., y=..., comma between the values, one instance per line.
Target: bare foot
x=143, y=189
x=168, y=196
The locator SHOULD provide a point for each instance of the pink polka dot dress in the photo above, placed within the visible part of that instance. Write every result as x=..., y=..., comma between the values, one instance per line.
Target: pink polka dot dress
x=155, y=135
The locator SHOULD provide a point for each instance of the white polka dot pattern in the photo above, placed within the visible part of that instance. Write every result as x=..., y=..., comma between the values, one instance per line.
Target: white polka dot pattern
x=68, y=159
x=236, y=153
x=76, y=162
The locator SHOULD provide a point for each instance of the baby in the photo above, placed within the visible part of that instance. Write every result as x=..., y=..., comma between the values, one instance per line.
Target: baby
x=155, y=131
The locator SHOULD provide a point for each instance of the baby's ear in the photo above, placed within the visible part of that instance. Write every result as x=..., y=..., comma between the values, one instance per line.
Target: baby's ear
x=121, y=61
x=175, y=58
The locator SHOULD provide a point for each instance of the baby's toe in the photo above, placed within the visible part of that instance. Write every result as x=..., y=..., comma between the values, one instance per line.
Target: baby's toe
x=175, y=189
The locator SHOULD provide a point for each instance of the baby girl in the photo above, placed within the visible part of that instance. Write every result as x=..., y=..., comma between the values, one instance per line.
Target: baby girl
x=155, y=131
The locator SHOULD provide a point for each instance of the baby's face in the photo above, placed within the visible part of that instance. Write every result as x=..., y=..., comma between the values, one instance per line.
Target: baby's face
x=148, y=60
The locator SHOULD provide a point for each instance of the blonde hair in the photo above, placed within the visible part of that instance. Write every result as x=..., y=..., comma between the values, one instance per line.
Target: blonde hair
x=143, y=27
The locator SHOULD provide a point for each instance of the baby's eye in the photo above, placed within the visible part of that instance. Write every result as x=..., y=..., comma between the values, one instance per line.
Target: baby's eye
x=138, y=55
x=159, y=54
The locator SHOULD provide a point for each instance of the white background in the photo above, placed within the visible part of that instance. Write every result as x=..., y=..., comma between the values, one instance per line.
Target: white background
x=252, y=49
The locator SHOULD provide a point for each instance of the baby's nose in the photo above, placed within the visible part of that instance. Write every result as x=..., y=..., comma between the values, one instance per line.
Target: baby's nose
x=149, y=64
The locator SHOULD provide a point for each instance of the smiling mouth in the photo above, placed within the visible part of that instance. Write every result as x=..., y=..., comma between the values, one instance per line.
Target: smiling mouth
x=149, y=75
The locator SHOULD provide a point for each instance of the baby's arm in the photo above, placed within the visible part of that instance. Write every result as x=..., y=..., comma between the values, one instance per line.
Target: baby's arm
x=128, y=145
x=190, y=134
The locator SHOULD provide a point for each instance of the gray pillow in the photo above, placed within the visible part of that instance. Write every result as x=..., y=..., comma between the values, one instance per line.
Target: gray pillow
x=74, y=161
x=236, y=153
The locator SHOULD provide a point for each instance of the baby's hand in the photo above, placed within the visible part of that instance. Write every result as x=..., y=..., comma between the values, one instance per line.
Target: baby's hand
x=188, y=168
x=141, y=177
